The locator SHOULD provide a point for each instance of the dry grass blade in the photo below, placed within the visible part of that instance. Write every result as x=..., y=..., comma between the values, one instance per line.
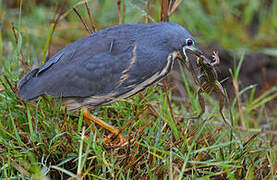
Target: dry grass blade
x=13, y=88
x=74, y=6
x=147, y=12
x=250, y=139
x=90, y=17
x=83, y=21
x=174, y=7
x=120, y=11
x=164, y=10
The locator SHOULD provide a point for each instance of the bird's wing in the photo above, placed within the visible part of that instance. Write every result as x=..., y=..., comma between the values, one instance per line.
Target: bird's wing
x=132, y=72
x=75, y=78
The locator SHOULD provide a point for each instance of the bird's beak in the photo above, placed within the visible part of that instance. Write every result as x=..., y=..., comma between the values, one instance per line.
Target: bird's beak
x=193, y=49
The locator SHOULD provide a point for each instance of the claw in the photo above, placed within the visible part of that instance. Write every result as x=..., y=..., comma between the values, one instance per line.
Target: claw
x=114, y=141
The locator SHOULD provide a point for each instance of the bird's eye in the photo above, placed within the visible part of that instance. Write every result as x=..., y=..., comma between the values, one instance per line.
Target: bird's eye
x=189, y=42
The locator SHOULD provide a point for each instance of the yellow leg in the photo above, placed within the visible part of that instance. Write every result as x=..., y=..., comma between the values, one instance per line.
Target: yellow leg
x=115, y=133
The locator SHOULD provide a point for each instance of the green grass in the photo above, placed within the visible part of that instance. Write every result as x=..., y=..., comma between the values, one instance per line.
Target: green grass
x=40, y=139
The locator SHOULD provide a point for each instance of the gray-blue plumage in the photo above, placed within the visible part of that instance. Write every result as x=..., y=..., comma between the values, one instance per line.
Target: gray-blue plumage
x=109, y=63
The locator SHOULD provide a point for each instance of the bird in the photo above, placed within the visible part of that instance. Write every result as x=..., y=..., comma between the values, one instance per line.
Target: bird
x=115, y=62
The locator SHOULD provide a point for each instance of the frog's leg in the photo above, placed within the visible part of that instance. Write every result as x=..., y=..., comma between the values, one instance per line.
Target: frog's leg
x=205, y=88
x=220, y=91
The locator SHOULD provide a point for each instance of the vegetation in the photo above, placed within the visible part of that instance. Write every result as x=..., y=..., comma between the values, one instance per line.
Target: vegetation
x=41, y=140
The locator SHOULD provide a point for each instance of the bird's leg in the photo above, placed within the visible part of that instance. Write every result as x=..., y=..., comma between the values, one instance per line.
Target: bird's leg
x=114, y=132
x=220, y=91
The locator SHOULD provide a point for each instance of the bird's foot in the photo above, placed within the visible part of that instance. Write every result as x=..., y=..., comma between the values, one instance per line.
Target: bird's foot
x=114, y=141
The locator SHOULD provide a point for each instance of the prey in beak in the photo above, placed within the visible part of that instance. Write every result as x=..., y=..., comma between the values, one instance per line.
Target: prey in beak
x=207, y=79
x=193, y=49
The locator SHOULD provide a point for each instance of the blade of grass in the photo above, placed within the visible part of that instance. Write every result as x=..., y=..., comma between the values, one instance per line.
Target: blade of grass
x=236, y=87
x=79, y=170
x=262, y=101
x=66, y=172
x=87, y=149
x=190, y=151
x=217, y=146
x=46, y=46
x=29, y=117
x=80, y=120
x=169, y=102
x=240, y=93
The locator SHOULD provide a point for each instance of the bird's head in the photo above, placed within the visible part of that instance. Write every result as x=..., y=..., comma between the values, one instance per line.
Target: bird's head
x=189, y=44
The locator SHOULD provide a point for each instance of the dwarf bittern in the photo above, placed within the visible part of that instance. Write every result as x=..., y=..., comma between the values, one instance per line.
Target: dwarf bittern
x=115, y=62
